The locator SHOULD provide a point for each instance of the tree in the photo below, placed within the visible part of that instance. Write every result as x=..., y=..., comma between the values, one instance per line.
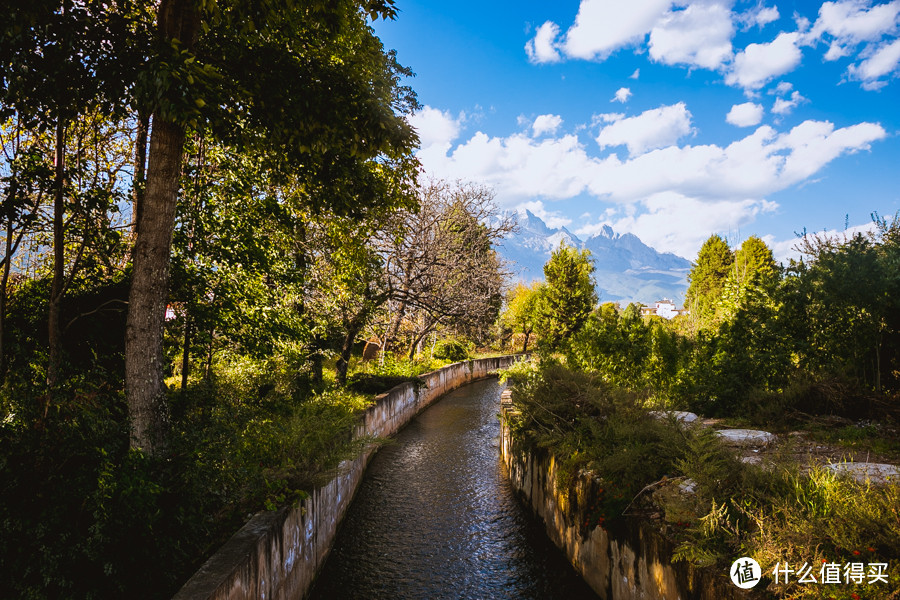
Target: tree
x=306, y=86
x=442, y=268
x=521, y=313
x=24, y=182
x=753, y=272
x=707, y=278
x=60, y=62
x=568, y=296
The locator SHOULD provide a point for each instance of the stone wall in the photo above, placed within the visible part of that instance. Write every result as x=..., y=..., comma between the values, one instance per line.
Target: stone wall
x=276, y=555
x=626, y=560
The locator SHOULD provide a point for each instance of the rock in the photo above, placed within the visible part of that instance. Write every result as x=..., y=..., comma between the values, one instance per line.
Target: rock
x=877, y=473
x=688, y=486
x=680, y=415
x=746, y=437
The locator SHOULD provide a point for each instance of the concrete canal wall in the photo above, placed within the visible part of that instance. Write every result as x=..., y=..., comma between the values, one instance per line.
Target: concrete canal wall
x=628, y=559
x=276, y=555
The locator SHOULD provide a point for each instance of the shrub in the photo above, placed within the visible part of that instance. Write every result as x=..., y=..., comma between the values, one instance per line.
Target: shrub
x=451, y=350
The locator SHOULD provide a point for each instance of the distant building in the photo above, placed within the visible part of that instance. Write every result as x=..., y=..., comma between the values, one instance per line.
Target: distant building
x=664, y=308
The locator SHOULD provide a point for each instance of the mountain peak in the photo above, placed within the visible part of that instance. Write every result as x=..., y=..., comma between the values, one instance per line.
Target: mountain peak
x=607, y=232
x=626, y=268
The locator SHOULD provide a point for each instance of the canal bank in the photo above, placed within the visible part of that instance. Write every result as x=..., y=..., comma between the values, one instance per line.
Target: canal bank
x=277, y=554
x=625, y=560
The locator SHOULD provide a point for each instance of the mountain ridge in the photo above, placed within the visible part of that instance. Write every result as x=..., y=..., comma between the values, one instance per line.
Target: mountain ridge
x=627, y=269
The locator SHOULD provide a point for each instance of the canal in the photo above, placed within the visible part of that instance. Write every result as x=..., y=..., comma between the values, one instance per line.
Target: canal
x=435, y=517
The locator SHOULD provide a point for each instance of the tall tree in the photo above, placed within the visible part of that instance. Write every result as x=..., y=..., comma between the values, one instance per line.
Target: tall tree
x=568, y=296
x=443, y=269
x=306, y=85
x=707, y=279
x=60, y=60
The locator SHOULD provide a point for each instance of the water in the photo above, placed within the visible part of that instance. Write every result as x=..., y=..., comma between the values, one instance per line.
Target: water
x=435, y=517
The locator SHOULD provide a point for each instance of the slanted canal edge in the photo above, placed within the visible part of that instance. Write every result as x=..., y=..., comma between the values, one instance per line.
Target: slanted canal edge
x=629, y=559
x=276, y=555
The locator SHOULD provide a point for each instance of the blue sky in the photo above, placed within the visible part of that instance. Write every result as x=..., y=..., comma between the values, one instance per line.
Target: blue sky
x=670, y=120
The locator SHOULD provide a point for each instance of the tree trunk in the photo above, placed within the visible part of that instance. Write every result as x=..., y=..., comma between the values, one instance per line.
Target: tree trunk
x=525, y=344
x=140, y=165
x=343, y=362
x=54, y=334
x=145, y=387
x=394, y=327
x=144, y=379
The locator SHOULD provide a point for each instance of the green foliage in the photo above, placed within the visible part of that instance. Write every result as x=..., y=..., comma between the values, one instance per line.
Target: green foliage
x=82, y=516
x=794, y=518
x=452, y=350
x=707, y=278
x=567, y=297
x=592, y=426
x=521, y=312
x=376, y=377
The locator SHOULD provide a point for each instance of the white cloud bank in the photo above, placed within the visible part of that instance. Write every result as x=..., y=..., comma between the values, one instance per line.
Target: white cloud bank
x=662, y=182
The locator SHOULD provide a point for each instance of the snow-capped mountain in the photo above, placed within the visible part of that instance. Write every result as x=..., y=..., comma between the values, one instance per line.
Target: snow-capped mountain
x=628, y=270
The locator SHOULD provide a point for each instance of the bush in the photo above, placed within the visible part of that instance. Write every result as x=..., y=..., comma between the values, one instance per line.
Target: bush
x=589, y=425
x=451, y=350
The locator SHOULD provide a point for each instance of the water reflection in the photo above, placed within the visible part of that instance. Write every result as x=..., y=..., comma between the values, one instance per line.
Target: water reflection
x=435, y=517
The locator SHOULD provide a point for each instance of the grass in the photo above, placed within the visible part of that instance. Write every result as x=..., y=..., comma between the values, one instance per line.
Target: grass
x=778, y=515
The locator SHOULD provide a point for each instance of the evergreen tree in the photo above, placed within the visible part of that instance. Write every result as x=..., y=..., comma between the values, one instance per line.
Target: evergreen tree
x=707, y=278
x=568, y=296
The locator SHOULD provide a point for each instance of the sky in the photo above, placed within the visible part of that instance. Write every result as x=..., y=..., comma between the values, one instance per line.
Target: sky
x=669, y=120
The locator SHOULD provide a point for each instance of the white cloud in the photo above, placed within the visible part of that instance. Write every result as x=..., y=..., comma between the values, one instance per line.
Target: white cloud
x=683, y=191
x=883, y=61
x=747, y=114
x=759, y=63
x=651, y=129
x=622, y=95
x=784, y=106
x=758, y=16
x=635, y=75
x=435, y=127
x=542, y=48
x=699, y=35
x=813, y=144
x=553, y=219
x=546, y=124
x=849, y=22
x=767, y=15
x=603, y=26
x=782, y=88
x=761, y=163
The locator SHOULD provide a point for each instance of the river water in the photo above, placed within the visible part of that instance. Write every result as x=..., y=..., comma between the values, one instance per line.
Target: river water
x=436, y=517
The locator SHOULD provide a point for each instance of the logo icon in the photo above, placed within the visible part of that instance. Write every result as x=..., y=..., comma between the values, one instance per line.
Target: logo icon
x=745, y=572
